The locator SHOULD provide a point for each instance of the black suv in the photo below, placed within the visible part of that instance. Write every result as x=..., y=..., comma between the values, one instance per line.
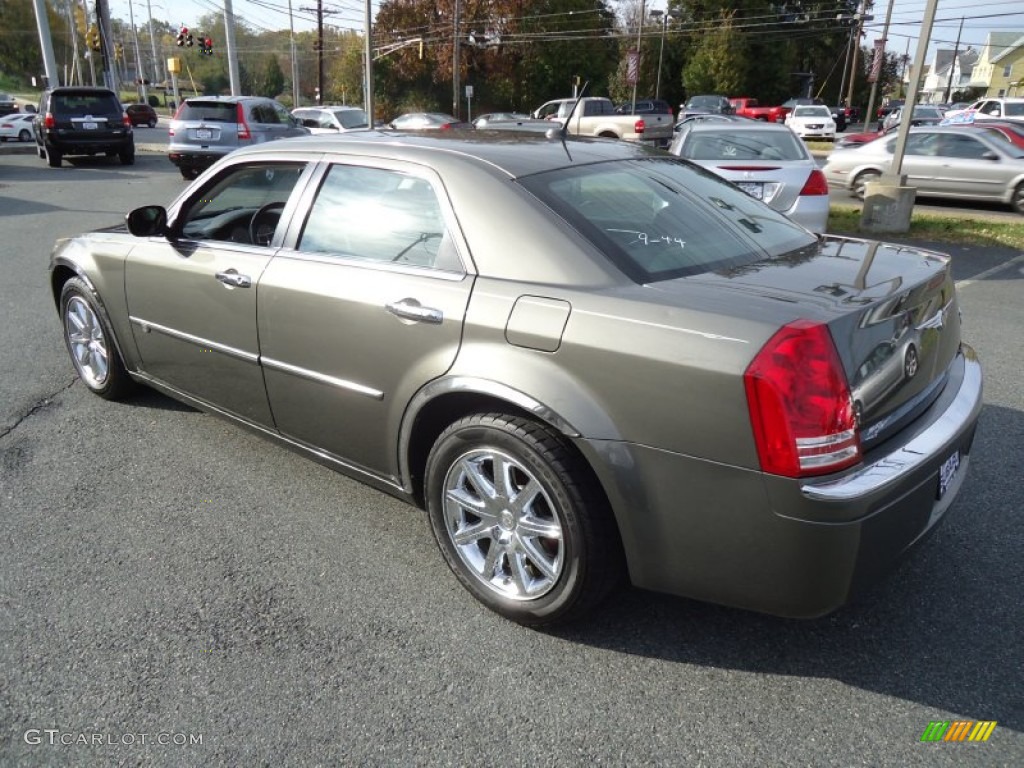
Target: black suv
x=82, y=121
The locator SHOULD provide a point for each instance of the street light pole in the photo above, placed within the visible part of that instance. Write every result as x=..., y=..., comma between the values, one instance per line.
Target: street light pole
x=658, y=14
x=639, y=49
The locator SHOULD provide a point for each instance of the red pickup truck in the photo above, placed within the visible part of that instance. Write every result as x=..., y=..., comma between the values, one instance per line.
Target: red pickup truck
x=747, y=107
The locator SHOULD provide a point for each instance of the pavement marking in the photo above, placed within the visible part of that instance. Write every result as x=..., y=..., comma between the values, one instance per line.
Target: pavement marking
x=989, y=272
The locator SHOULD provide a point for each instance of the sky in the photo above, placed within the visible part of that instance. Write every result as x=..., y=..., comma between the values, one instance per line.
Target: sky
x=260, y=14
x=979, y=17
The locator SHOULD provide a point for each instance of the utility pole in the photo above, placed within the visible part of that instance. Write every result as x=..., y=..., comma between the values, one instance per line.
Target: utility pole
x=952, y=64
x=295, y=63
x=368, y=56
x=229, y=44
x=110, y=79
x=639, y=53
x=861, y=18
x=45, y=43
x=88, y=53
x=139, y=75
x=881, y=52
x=455, y=63
x=159, y=66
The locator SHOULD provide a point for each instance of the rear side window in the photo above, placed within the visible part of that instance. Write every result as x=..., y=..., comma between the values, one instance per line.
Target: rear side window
x=352, y=118
x=211, y=112
x=661, y=218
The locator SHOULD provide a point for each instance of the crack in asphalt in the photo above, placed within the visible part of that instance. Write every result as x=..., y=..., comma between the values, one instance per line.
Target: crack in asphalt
x=42, y=403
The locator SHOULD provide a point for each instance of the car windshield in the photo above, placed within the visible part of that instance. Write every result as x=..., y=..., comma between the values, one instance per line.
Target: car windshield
x=928, y=113
x=743, y=145
x=812, y=111
x=662, y=218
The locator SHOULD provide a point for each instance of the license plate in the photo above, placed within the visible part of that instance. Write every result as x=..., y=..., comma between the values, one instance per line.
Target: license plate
x=752, y=188
x=201, y=134
x=947, y=472
x=89, y=126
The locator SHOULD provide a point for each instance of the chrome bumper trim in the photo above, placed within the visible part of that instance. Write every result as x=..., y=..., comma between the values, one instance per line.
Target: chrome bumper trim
x=892, y=468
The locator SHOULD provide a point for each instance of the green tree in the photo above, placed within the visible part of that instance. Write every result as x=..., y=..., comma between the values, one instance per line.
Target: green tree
x=718, y=62
x=268, y=79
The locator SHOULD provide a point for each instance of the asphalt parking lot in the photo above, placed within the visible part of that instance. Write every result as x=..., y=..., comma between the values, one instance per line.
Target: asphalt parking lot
x=176, y=591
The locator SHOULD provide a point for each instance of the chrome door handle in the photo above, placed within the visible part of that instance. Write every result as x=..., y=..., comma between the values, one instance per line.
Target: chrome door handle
x=232, y=279
x=410, y=309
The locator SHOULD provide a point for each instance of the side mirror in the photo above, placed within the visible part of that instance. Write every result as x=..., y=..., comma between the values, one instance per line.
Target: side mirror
x=988, y=154
x=148, y=221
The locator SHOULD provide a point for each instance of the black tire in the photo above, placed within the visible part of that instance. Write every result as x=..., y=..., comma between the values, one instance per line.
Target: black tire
x=152, y=123
x=1017, y=199
x=24, y=135
x=127, y=155
x=90, y=342
x=53, y=158
x=562, y=537
x=189, y=174
x=861, y=182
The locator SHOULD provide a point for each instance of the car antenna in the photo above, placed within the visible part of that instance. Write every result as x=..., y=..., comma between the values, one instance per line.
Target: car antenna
x=564, y=130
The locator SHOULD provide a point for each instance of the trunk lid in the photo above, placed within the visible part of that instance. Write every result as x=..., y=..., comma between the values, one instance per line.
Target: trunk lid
x=891, y=311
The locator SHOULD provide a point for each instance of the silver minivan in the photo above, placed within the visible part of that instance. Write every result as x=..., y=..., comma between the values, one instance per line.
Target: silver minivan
x=208, y=127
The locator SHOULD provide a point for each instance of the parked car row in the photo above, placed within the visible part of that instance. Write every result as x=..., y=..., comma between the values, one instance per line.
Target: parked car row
x=959, y=162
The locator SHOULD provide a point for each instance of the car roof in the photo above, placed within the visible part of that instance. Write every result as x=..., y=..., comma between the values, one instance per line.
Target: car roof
x=501, y=153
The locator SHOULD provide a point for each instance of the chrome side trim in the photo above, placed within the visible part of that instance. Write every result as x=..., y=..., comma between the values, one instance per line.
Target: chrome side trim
x=148, y=326
x=890, y=469
x=305, y=373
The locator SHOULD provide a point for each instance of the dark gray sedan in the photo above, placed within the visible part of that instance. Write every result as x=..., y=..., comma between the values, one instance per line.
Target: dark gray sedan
x=586, y=360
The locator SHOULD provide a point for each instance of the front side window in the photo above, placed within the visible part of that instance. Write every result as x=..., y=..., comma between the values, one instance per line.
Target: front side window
x=380, y=215
x=243, y=205
x=661, y=218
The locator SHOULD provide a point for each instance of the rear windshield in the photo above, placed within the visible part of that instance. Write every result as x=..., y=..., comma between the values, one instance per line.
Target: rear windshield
x=86, y=103
x=1013, y=109
x=211, y=112
x=743, y=145
x=662, y=218
x=352, y=118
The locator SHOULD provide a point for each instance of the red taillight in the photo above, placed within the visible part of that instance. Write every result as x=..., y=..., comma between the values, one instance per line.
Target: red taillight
x=243, y=127
x=639, y=126
x=800, y=405
x=48, y=121
x=446, y=126
x=125, y=120
x=815, y=184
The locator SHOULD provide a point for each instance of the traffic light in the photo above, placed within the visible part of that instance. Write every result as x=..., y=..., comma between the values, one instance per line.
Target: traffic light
x=182, y=34
x=118, y=51
x=208, y=46
x=93, y=38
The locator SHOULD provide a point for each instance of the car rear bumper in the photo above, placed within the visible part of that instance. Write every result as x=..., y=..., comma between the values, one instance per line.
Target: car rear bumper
x=810, y=211
x=191, y=159
x=792, y=548
x=69, y=144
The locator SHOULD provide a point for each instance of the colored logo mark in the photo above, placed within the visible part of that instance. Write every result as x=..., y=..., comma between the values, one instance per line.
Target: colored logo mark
x=958, y=730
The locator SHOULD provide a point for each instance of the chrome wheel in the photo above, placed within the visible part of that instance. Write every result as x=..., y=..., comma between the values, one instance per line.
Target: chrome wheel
x=87, y=342
x=503, y=524
x=910, y=362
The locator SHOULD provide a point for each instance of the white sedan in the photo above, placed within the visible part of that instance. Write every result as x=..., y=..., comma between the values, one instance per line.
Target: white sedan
x=812, y=122
x=16, y=127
